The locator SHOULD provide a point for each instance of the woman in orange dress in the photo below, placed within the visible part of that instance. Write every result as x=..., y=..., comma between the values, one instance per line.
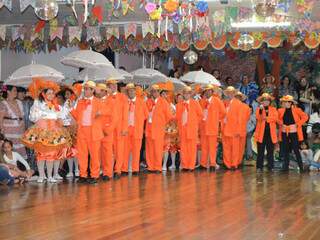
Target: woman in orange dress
x=47, y=136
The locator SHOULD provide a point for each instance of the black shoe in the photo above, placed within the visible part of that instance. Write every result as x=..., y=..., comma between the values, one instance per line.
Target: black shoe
x=157, y=172
x=62, y=172
x=135, y=173
x=105, y=178
x=92, y=180
x=271, y=170
x=202, y=168
x=184, y=170
x=285, y=170
x=124, y=174
x=82, y=180
x=213, y=169
x=116, y=176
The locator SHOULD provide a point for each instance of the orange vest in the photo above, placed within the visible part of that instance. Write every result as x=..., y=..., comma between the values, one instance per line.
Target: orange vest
x=272, y=119
x=121, y=108
x=300, y=118
x=194, y=116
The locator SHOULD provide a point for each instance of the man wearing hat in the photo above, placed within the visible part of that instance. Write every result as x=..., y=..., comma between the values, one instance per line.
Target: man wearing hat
x=137, y=115
x=188, y=115
x=121, y=124
x=230, y=129
x=107, y=161
x=266, y=130
x=213, y=113
x=159, y=114
x=87, y=114
x=291, y=119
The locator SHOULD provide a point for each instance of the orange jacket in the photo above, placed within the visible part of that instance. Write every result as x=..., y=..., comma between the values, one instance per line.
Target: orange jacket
x=108, y=121
x=300, y=118
x=216, y=113
x=120, y=113
x=140, y=115
x=232, y=119
x=272, y=119
x=194, y=116
x=162, y=114
x=97, y=107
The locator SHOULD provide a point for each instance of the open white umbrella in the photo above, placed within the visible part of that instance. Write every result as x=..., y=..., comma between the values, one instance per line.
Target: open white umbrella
x=100, y=74
x=145, y=76
x=22, y=77
x=127, y=76
x=86, y=59
x=200, y=77
x=178, y=84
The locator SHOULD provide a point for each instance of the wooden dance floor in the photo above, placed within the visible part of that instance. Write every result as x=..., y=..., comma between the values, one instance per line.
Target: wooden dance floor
x=199, y=205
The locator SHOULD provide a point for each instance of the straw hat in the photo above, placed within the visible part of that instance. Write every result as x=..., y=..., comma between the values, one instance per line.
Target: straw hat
x=155, y=87
x=287, y=98
x=208, y=87
x=187, y=89
x=242, y=96
x=102, y=86
x=265, y=96
x=268, y=75
x=111, y=81
x=230, y=89
x=130, y=86
x=90, y=84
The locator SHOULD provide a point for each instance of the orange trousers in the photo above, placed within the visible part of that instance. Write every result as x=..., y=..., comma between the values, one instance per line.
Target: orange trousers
x=242, y=148
x=231, y=146
x=209, y=146
x=85, y=147
x=154, y=153
x=133, y=146
x=188, y=151
x=118, y=145
x=107, y=161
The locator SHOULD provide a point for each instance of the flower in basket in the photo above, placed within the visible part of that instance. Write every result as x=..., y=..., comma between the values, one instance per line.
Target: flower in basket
x=150, y=7
x=171, y=5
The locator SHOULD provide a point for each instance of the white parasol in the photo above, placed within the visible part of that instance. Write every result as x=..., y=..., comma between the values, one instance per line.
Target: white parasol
x=86, y=59
x=145, y=76
x=127, y=76
x=100, y=74
x=200, y=77
x=22, y=77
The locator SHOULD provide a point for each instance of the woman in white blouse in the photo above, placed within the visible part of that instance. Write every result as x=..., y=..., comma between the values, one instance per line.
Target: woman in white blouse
x=47, y=137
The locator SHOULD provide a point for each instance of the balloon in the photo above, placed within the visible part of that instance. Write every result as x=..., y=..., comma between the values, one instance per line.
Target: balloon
x=190, y=57
x=46, y=9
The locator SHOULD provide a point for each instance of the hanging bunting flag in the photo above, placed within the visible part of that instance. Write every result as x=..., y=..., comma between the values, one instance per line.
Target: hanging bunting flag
x=25, y=3
x=166, y=26
x=57, y=33
x=3, y=31
x=97, y=12
x=147, y=27
x=125, y=7
x=74, y=32
x=16, y=33
x=130, y=29
x=40, y=25
x=37, y=35
x=94, y=34
x=112, y=31
x=7, y=4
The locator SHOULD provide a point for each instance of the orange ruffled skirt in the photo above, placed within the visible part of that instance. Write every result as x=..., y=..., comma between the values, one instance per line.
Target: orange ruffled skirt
x=49, y=139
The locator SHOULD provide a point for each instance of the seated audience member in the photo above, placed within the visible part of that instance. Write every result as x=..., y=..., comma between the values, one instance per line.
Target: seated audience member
x=286, y=88
x=12, y=160
x=269, y=85
x=314, y=122
x=307, y=156
x=249, y=88
x=305, y=95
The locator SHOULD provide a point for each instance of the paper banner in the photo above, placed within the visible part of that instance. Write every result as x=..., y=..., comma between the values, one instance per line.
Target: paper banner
x=112, y=31
x=56, y=33
x=94, y=34
x=130, y=29
x=25, y=3
x=74, y=32
x=147, y=27
x=16, y=33
x=6, y=3
x=39, y=35
x=182, y=25
x=164, y=28
x=3, y=31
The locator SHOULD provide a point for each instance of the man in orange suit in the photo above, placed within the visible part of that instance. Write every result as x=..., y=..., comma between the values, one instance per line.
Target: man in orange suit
x=230, y=129
x=107, y=161
x=121, y=124
x=159, y=114
x=188, y=115
x=213, y=114
x=87, y=114
x=244, y=116
x=137, y=115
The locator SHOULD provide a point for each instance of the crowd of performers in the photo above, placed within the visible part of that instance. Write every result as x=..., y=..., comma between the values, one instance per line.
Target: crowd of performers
x=100, y=131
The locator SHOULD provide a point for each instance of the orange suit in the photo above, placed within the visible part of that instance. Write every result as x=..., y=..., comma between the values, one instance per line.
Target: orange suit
x=108, y=126
x=188, y=115
x=213, y=113
x=231, y=133
x=158, y=116
x=138, y=113
x=244, y=116
x=121, y=125
x=272, y=119
x=89, y=136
